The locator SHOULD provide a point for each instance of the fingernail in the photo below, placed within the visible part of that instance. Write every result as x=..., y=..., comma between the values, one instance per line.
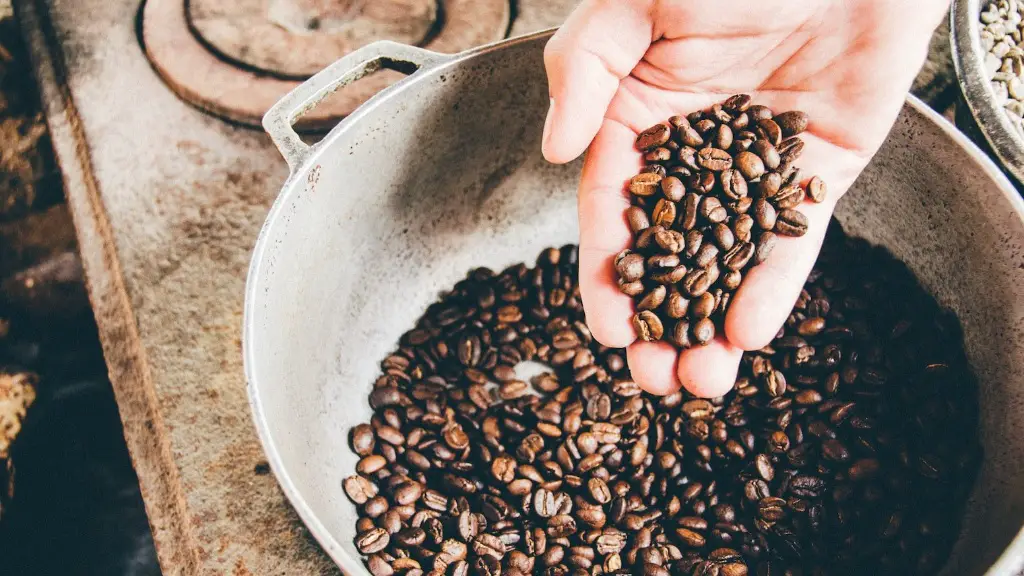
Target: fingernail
x=547, y=124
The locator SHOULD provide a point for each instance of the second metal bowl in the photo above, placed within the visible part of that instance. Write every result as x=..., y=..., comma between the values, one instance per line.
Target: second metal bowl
x=990, y=125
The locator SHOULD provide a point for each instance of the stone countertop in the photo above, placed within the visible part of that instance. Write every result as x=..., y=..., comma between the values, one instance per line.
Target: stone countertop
x=167, y=202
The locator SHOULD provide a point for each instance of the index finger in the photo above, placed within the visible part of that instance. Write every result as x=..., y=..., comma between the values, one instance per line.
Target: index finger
x=602, y=203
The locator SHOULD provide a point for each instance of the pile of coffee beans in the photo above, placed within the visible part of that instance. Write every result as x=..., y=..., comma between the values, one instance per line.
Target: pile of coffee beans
x=848, y=445
x=718, y=187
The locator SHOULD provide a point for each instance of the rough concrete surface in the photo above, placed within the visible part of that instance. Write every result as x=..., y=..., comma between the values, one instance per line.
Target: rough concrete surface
x=167, y=202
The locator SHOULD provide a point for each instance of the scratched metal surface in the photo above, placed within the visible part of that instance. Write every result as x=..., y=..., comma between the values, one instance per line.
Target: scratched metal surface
x=167, y=203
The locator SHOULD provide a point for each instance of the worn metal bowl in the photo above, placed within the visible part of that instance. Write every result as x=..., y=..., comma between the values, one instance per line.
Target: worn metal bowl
x=442, y=172
x=980, y=115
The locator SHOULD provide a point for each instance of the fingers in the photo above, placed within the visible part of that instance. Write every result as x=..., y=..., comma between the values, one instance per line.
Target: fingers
x=597, y=47
x=769, y=291
x=704, y=371
x=709, y=371
x=604, y=233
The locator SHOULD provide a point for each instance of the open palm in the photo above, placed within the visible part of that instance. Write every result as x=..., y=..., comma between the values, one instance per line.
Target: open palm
x=618, y=67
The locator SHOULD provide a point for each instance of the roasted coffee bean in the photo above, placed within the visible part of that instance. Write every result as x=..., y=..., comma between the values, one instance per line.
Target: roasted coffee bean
x=687, y=158
x=696, y=282
x=660, y=154
x=723, y=137
x=676, y=305
x=634, y=288
x=667, y=275
x=817, y=190
x=653, y=137
x=764, y=214
x=704, y=126
x=790, y=151
x=703, y=306
x=711, y=209
x=561, y=525
x=690, y=137
x=771, y=509
x=681, y=335
x=703, y=331
x=770, y=185
x=630, y=266
x=764, y=467
x=637, y=218
x=714, y=159
x=733, y=184
x=741, y=206
x=707, y=254
x=791, y=223
x=789, y=197
x=378, y=566
x=410, y=537
x=359, y=489
x=758, y=112
x=764, y=247
x=738, y=103
x=611, y=541
x=670, y=241
x=770, y=131
x=791, y=174
x=488, y=545
x=768, y=153
x=750, y=165
x=664, y=213
x=645, y=184
x=737, y=258
x=504, y=469
x=723, y=236
x=742, y=227
x=654, y=169
x=863, y=469
x=653, y=299
x=673, y=189
x=731, y=280
x=678, y=122
x=362, y=439
x=372, y=541
x=408, y=493
x=690, y=538
x=792, y=123
x=370, y=464
x=645, y=240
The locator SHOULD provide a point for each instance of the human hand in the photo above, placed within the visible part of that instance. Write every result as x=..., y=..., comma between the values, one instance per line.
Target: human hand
x=616, y=68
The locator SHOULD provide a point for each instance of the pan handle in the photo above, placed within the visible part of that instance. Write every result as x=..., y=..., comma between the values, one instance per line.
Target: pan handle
x=280, y=119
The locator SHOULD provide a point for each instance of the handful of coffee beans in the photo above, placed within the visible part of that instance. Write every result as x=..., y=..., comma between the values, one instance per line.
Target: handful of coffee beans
x=848, y=445
x=717, y=189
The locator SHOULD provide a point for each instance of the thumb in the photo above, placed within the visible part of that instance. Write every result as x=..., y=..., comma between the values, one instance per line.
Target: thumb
x=598, y=46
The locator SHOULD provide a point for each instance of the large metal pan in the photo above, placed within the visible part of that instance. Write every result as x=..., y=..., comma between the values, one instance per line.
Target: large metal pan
x=442, y=172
